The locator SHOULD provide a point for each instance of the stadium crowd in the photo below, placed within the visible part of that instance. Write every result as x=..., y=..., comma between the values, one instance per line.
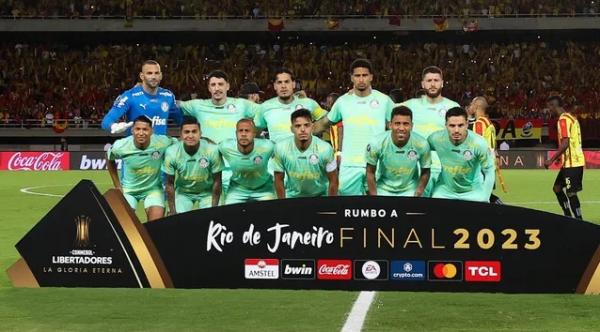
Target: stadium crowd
x=292, y=8
x=83, y=82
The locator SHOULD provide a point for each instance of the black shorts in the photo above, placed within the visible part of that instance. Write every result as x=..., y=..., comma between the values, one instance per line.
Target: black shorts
x=570, y=178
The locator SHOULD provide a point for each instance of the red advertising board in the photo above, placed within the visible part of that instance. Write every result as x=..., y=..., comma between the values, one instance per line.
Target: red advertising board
x=34, y=161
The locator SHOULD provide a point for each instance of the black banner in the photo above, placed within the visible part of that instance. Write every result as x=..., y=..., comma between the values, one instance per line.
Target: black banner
x=349, y=243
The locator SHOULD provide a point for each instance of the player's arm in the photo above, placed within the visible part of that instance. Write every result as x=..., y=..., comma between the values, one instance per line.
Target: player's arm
x=216, y=189
x=371, y=185
x=332, y=117
x=564, y=145
x=321, y=125
x=332, y=176
x=175, y=112
x=423, y=179
x=425, y=166
x=112, y=171
x=279, y=188
x=170, y=190
x=119, y=108
x=488, y=167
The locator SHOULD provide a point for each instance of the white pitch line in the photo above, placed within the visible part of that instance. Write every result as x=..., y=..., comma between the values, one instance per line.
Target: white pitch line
x=28, y=190
x=356, y=318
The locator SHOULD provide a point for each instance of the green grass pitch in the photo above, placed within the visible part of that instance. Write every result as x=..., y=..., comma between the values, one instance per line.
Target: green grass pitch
x=273, y=310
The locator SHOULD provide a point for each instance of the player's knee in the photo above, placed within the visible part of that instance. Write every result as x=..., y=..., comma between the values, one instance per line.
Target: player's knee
x=557, y=189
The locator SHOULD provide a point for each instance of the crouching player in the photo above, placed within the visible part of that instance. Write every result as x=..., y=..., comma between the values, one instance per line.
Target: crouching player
x=402, y=158
x=142, y=156
x=193, y=167
x=467, y=163
x=248, y=157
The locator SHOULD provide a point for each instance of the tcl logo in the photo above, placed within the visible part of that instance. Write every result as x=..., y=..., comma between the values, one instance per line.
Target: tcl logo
x=334, y=269
x=34, y=161
x=484, y=271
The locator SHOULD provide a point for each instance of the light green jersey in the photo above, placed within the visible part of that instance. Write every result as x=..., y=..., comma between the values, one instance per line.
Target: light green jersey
x=218, y=122
x=306, y=171
x=398, y=167
x=142, y=167
x=429, y=118
x=193, y=173
x=248, y=170
x=463, y=164
x=364, y=118
x=275, y=115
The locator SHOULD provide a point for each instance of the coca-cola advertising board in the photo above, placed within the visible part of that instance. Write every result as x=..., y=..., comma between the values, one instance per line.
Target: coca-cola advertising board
x=34, y=161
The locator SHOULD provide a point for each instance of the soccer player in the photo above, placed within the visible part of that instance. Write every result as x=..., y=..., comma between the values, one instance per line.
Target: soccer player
x=248, y=157
x=402, y=158
x=570, y=177
x=364, y=112
x=147, y=99
x=467, y=163
x=483, y=127
x=306, y=161
x=251, y=92
x=219, y=115
x=429, y=112
x=193, y=167
x=142, y=154
x=275, y=113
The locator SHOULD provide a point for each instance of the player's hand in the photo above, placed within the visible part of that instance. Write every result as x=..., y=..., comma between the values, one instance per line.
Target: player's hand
x=119, y=127
x=547, y=163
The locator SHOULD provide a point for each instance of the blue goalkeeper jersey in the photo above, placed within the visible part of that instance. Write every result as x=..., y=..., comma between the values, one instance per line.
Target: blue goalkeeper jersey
x=136, y=102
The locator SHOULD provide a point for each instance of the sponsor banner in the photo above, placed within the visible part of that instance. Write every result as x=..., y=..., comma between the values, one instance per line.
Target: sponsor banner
x=592, y=159
x=298, y=269
x=260, y=268
x=445, y=271
x=521, y=159
x=408, y=271
x=34, y=161
x=334, y=269
x=371, y=270
x=483, y=271
x=518, y=129
x=344, y=243
x=90, y=160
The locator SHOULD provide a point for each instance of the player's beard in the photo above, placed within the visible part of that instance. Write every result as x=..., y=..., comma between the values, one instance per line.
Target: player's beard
x=435, y=94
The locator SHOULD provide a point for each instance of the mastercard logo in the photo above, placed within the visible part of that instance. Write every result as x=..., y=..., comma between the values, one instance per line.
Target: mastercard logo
x=442, y=270
x=445, y=271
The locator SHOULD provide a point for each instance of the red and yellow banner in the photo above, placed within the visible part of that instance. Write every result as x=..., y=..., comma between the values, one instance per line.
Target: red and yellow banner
x=518, y=129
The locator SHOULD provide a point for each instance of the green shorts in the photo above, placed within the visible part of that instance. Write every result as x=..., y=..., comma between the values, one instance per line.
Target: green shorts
x=241, y=194
x=184, y=202
x=153, y=197
x=352, y=181
x=407, y=193
x=442, y=191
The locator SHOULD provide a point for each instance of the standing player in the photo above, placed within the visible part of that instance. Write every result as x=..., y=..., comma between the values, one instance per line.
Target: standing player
x=401, y=157
x=570, y=152
x=248, y=157
x=147, y=99
x=250, y=91
x=219, y=115
x=364, y=112
x=306, y=161
x=467, y=163
x=429, y=114
x=275, y=113
x=193, y=167
x=483, y=127
x=142, y=154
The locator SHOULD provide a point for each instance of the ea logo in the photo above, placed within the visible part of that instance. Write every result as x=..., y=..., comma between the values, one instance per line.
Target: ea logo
x=371, y=270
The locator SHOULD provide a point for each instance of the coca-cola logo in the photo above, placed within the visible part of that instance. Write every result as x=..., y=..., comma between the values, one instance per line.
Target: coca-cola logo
x=334, y=269
x=35, y=161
